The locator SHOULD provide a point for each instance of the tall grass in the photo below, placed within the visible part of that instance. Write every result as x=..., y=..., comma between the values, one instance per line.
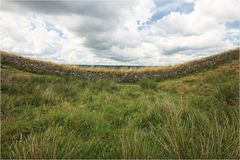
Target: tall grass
x=54, y=143
x=148, y=84
x=50, y=117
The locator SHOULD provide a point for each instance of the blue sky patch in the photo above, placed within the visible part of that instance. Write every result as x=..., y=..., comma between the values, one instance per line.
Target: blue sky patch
x=233, y=25
x=52, y=27
x=166, y=7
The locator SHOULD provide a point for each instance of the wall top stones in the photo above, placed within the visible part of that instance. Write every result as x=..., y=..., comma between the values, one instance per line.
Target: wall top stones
x=161, y=73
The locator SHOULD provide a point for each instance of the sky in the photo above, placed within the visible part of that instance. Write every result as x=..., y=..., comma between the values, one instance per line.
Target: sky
x=119, y=32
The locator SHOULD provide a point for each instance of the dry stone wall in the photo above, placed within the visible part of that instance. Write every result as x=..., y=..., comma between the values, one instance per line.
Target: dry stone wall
x=180, y=70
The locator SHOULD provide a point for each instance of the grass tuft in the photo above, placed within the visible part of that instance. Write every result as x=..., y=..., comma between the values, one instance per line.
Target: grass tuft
x=53, y=117
x=148, y=84
x=54, y=143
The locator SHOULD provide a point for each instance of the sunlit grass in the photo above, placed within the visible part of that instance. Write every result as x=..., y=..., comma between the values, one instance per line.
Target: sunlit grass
x=119, y=70
x=47, y=116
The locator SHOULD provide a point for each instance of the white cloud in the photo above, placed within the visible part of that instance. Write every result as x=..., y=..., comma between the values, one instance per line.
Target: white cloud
x=195, y=32
x=107, y=32
x=29, y=35
x=221, y=10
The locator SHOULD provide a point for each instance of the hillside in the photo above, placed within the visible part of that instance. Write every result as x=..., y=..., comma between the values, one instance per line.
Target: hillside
x=46, y=114
x=157, y=73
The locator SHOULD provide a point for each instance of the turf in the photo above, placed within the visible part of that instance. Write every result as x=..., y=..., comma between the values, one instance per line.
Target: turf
x=50, y=116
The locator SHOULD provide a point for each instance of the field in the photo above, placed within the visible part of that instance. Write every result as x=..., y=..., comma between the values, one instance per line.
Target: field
x=54, y=116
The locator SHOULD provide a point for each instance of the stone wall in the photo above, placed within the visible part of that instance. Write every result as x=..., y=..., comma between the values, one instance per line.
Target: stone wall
x=179, y=70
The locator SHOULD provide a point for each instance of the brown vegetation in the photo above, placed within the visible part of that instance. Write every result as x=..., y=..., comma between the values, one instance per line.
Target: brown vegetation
x=157, y=73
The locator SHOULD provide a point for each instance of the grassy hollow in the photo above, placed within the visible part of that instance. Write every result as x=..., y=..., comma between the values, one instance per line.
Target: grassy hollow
x=57, y=117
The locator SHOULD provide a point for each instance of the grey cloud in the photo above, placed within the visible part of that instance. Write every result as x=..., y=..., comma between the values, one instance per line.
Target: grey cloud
x=180, y=49
x=98, y=45
x=100, y=9
x=117, y=57
x=122, y=59
x=102, y=28
x=38, y=6
x=97, y=19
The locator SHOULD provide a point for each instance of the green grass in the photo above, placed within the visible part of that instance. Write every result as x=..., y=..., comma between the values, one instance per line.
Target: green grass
x=44, y=116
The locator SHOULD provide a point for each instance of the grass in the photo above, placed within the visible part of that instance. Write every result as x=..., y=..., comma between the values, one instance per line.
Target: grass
x=49, y=116
x=54, y=142
x=119, y=70
x=147, y=83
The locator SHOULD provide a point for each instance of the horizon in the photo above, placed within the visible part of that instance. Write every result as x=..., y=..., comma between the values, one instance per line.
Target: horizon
x=119, y=33
x=120, y=66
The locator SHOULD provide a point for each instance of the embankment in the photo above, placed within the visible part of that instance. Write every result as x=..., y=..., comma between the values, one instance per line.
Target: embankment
x=158, y=74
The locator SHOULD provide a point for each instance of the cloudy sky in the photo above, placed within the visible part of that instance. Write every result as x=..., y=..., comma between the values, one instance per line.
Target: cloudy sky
x=130, y=32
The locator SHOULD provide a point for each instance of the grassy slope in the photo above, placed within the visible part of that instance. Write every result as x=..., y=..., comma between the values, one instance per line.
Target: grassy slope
x=112, y=70
x=45, y=116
